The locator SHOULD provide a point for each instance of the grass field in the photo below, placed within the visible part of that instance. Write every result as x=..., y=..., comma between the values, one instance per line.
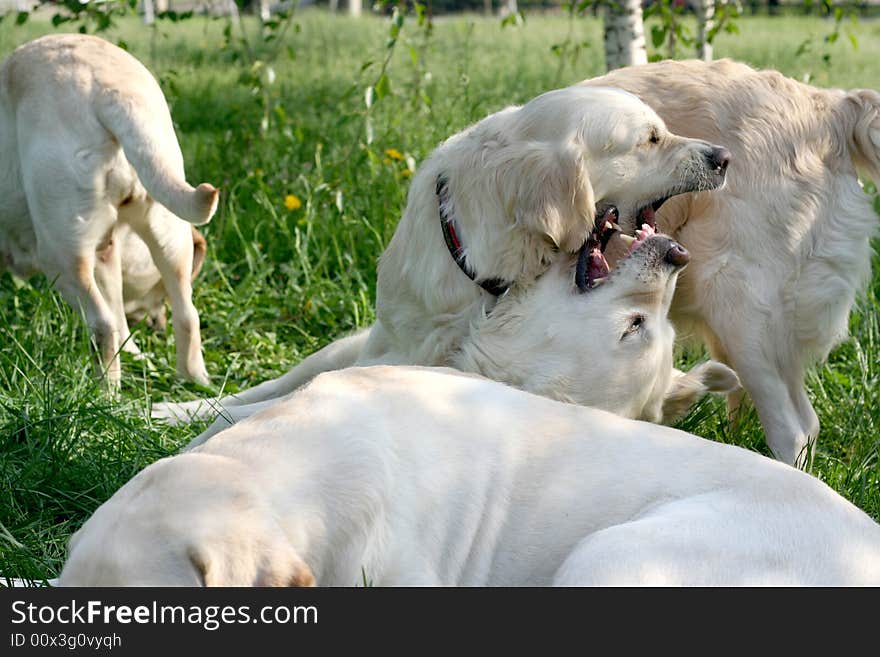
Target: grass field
x=280, y=283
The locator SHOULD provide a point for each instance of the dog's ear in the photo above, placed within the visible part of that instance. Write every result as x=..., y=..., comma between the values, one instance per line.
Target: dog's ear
x=546, y=189
x=864, y=125
x=249, y=564
x=687, y=388
x=200, y=248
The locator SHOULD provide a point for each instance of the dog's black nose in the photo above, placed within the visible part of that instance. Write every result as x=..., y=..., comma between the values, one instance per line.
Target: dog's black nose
x=677, y=255
x=719, y=158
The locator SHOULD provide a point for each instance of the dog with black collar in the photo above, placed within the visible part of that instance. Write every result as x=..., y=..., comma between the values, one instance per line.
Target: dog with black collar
x=496, y=205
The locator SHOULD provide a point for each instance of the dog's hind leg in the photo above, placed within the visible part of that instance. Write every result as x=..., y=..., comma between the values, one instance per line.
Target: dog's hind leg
x=337, y=355
x=734, y=397
x=75, y=280
x=108, y=274
x=68, y=224
x=171, y=246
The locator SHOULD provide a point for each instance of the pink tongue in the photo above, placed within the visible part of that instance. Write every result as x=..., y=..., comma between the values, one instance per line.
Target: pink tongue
x=598, y=265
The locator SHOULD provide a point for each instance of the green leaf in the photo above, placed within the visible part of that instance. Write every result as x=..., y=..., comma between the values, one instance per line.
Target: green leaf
x=383, y=87
x=658, y=35
x=22, y=17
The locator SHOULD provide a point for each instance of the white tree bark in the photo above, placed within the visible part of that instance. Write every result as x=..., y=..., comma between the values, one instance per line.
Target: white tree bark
x=355, y=7
x=265, y=10
x=624, y=34
x=705, y=10
x=149, y=12
x=162, y=5
x=512, y=7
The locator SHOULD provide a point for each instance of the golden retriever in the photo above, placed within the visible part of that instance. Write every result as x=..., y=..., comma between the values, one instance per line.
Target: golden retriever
x=778, y=256
x=413, y=476
x=88, y=146
x=487, y=213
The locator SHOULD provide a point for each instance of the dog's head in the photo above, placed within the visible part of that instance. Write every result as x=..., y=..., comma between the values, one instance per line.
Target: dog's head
x=142, y=289
x=190, y=520
x=597, y=341
x=634, y=163
x=526, y=181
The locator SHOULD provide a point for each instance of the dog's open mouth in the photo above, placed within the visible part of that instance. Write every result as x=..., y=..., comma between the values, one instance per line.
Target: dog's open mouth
x=595, y=260
x=647, y=214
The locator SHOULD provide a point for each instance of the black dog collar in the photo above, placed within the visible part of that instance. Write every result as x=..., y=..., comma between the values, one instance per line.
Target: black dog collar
x=494, y=286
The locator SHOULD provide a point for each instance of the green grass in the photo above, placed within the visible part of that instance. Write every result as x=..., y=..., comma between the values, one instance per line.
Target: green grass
x=279, y=284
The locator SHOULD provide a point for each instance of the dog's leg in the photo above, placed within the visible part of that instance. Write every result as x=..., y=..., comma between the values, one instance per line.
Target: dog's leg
x=75, y=280
x=779, y=414
x=108, y=274
x=69, y=224
x=734, y=397
x=170, y=242
x=335, y=356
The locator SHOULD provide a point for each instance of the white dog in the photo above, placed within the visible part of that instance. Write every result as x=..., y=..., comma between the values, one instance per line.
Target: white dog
x=413, y=476
x=608, y=346
x=489, y=210
x=89, y=145
x=777, y=256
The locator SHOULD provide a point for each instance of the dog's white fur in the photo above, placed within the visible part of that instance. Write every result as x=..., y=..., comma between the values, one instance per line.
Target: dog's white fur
x=412, y=476
x=89, y=145
x=610, y=347
x=143, y=292
x=779, y=255
x=523, y=184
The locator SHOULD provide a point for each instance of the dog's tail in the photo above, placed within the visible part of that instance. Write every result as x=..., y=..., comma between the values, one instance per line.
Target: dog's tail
x=864, y=126
x=150, y=145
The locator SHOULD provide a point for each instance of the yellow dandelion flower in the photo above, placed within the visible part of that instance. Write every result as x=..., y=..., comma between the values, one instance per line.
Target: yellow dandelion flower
x=291, y=202
x=386, y=160
x=406, y=173
x=394, y=154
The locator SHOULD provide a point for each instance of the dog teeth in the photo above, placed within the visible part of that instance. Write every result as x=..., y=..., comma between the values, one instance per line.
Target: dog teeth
x=628, y=240
x=599, y=281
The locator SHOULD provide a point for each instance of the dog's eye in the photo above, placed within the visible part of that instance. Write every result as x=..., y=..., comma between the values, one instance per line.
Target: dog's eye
x=655, y=137
x=635, y=325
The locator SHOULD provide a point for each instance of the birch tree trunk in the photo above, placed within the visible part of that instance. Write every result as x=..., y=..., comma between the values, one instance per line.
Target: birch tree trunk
x=355, y=7
x=624, y=34
x=149, y=12
x=705, y=10
x=512, y=7
x=265, y=10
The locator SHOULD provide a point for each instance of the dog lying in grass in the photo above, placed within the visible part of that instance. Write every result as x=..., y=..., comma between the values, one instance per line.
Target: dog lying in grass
x=88, y=147
x=779, y=254
x=487, y=213
x=606, y=345
x=414, y=476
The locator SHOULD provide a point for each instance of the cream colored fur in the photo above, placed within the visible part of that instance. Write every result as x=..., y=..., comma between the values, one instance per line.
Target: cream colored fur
x=413, y=476
x=89, y=146
x=609, y=347
x=778, y=256
x=523, y=187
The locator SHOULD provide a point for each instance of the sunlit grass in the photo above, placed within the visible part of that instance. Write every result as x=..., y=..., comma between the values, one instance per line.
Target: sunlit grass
x=284, y=278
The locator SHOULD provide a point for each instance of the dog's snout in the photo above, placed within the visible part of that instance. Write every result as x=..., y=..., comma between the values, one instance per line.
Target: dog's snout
x=719, y=158
x=677, y=255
